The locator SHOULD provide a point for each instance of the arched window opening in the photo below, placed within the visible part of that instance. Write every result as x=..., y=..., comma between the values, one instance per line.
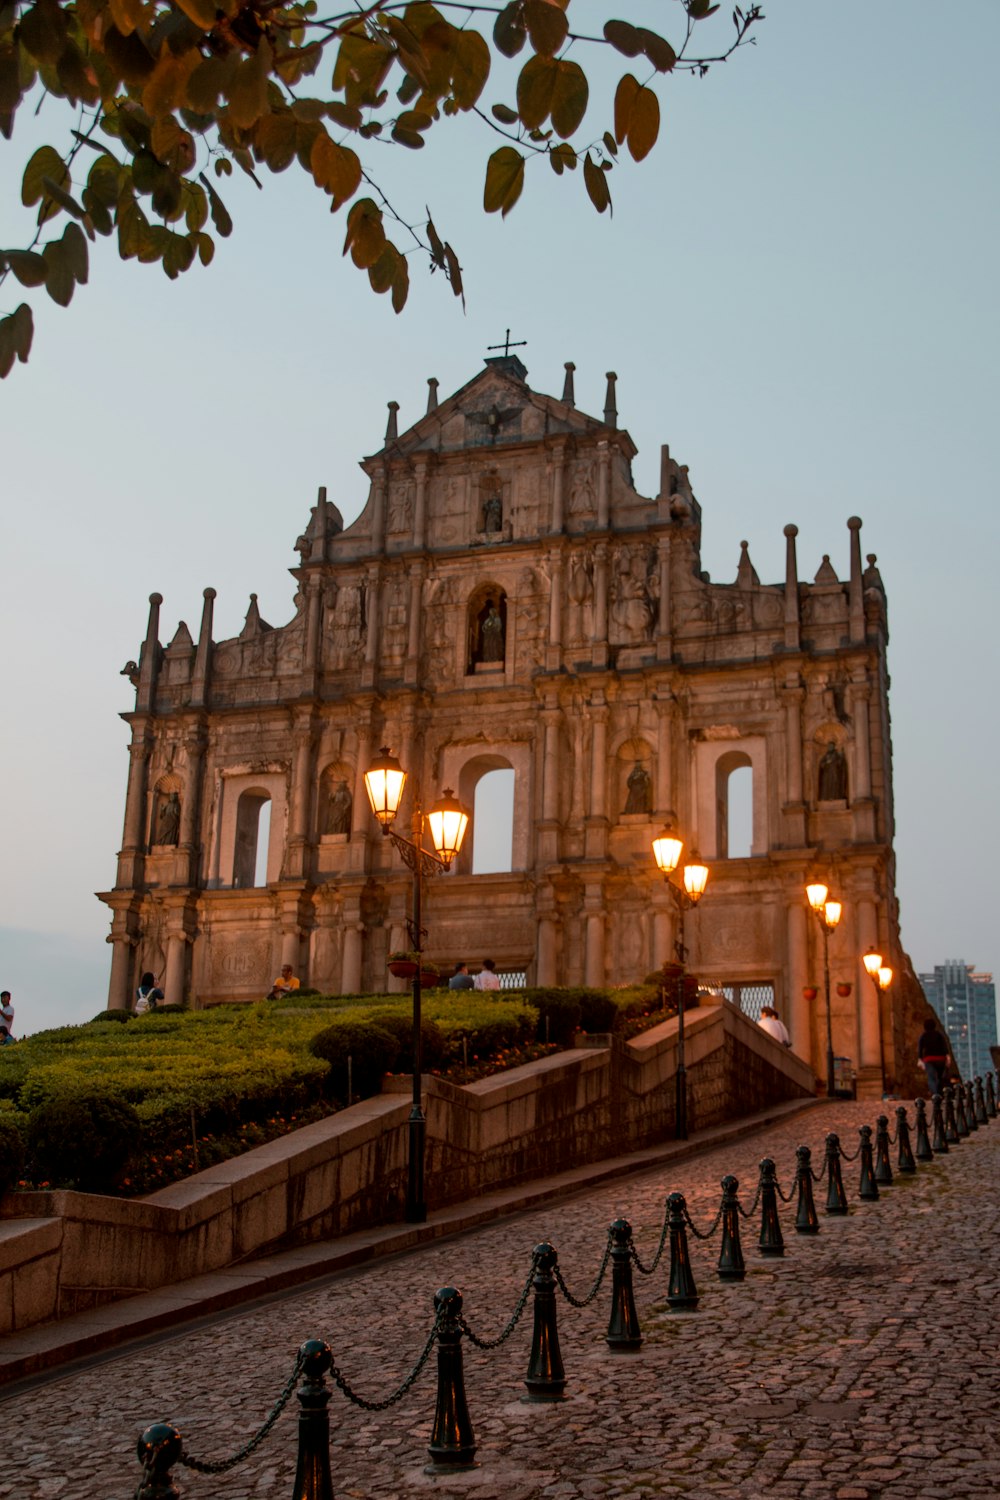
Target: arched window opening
x=487, y=630
x=734, y=805
x=493, y=824
x=253, y=836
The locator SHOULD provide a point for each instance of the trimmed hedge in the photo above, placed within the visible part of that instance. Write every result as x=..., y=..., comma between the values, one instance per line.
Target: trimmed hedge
x=84, y=1138
x=11, y=1154
x=370, y=1049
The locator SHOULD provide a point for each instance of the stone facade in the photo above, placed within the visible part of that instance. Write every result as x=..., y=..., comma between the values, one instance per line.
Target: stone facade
x=507, y=599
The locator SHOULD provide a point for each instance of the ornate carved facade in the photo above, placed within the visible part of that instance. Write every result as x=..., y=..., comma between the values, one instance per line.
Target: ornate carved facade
x=507, y=599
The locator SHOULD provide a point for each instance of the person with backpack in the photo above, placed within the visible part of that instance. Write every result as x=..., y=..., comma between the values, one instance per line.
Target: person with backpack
x=147, y=996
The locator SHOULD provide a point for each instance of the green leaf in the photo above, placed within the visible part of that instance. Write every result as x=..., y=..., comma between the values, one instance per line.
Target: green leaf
x=171, y=145
x=43, y=31
x=505, y=114
x=75, y=250
x=178, y=255
x=343, y=115
x=365, y=237
x=535, y=88
x=596, y=183
x=205, y=245
x=547, y=26
x=275, y=139
x=29, y=268
x=509, y=33
x=470, y=68
x=504, y=180
x=248, y=91
x=644, y=124
x=59, y=280
x=658, y=50
x=562, y=158
x=46, y=162
x=335, y=168
x=220, y=217
x=625, y=97
x=16, y=333
x=569, y=98
x=204, y=13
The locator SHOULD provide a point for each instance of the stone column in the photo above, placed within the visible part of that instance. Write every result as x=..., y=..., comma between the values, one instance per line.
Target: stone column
x=422, y=465
x=558, y=469
x=372, y=619
x=860, y=697
x=792, y=616
x=664, y=703
x=149, y=664
x=594, y=972
x=550, y=777
x=793, y=694
x=414, y=621
x=294, y=861
x=380, y=486
x=194, y=745
x=290, y=943
x=173, y=984
x=555, y=603
x=317, y=552
x=664, y=636
x=855, y=594
x=869, y=997
x=603, y=485
x=135, y=797
x=600, y=603
x=598, y=758
x=546, y=955
x=350, y=977
x=201, y=677
x=800, y=1010
x=119, y=992
x=664, y=918
x=314, y=603
x=362, y=819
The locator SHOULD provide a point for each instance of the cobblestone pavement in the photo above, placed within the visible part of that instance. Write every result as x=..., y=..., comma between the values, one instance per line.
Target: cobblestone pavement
x=861, y=1366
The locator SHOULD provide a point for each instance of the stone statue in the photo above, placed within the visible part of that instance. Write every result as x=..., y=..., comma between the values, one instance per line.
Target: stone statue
x=493, y=511
x=338, y=810
x=640, y=799
x=833, y=775
x=491, y=635
x=168, y=827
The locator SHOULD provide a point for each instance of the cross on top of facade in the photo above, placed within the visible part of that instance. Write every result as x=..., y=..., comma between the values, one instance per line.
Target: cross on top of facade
x=507, y=345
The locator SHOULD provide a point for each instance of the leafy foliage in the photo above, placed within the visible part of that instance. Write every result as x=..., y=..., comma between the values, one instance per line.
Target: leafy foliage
x=11, y=1153
x=358, y=1054
x=166, y=93
x=83, y=1138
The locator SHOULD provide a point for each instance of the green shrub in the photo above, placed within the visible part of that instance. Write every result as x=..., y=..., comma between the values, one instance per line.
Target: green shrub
x=82, y=1140
x=112, y=1015
x=372, y=1050
x=167, y=1008
x=559, y=1014
x=598, y=1011
x=11, y=1154
x=399, y=1025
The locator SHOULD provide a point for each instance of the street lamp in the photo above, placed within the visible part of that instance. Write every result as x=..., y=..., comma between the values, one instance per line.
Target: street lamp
x=667, y=849
x=447, y=821
x=880, y=975
x=828, y=915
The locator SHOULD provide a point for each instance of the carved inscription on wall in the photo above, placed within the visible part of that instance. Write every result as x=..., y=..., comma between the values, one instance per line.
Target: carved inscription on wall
x=241, y=963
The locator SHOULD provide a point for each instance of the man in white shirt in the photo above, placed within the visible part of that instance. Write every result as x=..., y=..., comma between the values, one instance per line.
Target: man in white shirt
x=772, y=1023
x=487, y=978
x=6, y=1011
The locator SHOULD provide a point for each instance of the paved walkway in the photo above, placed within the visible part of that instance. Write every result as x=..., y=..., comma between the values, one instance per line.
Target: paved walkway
x=861, y=1366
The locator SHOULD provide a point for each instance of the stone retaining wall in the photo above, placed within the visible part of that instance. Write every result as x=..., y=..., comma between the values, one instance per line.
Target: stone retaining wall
x=63, y=1251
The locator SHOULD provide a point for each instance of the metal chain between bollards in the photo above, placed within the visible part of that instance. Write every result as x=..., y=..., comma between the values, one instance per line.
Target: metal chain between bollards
x=748, y=1213
x=345, y=1386
x=785, y=1197
x=849, y=1158
x=223, y=1465
x=512, y=1321
x=584, y=1301
x=634, y=1254
x=707, y=1235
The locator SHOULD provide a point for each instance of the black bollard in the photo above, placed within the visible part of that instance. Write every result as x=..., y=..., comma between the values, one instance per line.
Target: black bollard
x=453, y=1442
x=867, y=1187
x=961, y=1122
x=969, y=1093
x=883, y=1166
x=158, y=1449
x=682, y=1294
x=806, y=1220
x=770, y=1241
x=836, y=1197
x=951, y=1134
x=905, y=1163
x=991, y=1098
x=939, y=1144
x=312, y=1471
x=732, y=1266
x=546, y=1378
x=623, y=1333
x=982, y=1118
x=925, y=1151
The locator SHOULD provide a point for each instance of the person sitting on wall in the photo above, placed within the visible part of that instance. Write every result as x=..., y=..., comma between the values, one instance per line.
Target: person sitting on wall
x=147, y=996
x=487, y=978
x=462, y=979
x=772, y=1023
x=285, y=984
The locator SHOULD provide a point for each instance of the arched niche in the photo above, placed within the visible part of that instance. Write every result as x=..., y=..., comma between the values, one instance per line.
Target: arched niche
x=493, y=816
x=165, y=812
x=634, y=779
x=734, y=805
x=335, y=803
x=486, y=630
x=715, y=762
x=253, y=827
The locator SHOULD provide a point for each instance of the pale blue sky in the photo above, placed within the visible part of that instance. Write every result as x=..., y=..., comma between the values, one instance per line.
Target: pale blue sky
x=798, y=292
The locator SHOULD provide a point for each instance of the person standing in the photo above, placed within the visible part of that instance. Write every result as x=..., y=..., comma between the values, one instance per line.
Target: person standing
x=147, y=996
x=487, y=978
x=933, y=1053
x=7, y=1011
x=461, y=979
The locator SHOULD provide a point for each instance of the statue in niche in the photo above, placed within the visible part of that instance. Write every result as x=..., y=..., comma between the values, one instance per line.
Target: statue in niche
x=491, y=634
x=338, y=810
x=632, y=607
x=168, y=822
x=640, y=791
x=833, y=775
x=492, y=505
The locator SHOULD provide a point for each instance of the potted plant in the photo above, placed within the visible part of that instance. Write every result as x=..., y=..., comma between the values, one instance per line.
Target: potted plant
x=404, y=963
x=430, y=975
x=844, y=988
x=810, y=991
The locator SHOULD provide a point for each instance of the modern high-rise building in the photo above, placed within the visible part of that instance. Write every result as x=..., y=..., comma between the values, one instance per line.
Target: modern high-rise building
x=966, y=1003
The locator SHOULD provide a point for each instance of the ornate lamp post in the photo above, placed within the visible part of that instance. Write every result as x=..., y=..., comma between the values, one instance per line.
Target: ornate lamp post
x=880, y=975
x=828, y=915
x=447, y=821
x=667, y=850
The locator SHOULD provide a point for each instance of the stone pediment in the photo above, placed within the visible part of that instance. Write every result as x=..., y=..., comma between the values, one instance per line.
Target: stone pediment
x=496, y=409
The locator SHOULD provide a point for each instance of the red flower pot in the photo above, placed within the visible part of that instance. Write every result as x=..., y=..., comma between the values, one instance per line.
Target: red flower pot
x=844, y=989
x=810, y=991
x=403, y=968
